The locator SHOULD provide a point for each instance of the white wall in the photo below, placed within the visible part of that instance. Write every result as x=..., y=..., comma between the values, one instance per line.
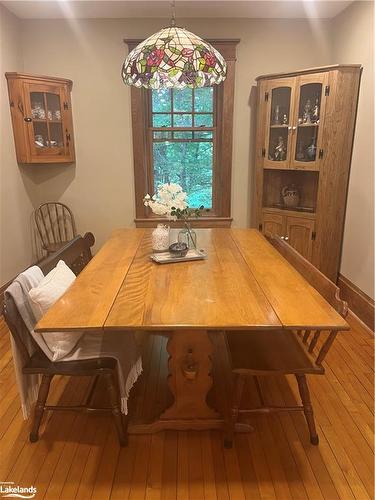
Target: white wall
x=353, y=42
x=15, y=186
x=99, y=187
x=90, y=52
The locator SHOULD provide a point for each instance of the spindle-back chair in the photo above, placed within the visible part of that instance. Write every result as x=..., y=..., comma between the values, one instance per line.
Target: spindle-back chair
x=55, y=224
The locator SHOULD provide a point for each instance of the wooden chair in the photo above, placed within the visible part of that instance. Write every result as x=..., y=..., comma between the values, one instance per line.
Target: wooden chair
x=281, y=352
x=76, y=255
x=55, y=224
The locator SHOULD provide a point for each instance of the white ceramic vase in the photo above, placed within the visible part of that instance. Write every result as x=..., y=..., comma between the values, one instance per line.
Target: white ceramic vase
x=160, y=238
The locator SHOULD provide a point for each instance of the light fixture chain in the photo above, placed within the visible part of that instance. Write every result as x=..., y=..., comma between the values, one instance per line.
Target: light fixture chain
x=173, y=9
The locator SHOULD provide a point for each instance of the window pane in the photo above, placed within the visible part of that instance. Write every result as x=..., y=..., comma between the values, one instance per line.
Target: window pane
x=203, y=99
x=161, y=100
x=56, y=134
x=161, y=120
x=183, y=100
x=188, y=164
x=162, y=135
x=53, y=106
x=40, y=134
x=203, y=135
x=203, y=120
x=37, y=106
x=182, y=120
x=183, y=135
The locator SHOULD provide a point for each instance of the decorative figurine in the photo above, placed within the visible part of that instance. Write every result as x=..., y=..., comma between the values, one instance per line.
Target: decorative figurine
x=316, y=110
x=276, y=115
x=285, y=119
x=307, y=112
x=39, y=141
x=280, y=150
x=38, y=111
x=300, y=156
x=290, y=195
x=311, y=150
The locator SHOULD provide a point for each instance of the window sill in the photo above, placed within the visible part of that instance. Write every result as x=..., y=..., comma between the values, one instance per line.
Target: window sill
x=202, y=222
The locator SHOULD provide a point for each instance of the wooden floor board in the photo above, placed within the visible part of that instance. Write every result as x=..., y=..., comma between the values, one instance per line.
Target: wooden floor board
x=78, y=456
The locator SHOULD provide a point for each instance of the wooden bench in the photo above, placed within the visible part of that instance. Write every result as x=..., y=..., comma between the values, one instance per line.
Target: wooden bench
x=281, y=352
x=76, y=254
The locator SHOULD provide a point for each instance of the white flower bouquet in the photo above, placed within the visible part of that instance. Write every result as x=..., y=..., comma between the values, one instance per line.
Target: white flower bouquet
x=166, y=200
x=171, y=201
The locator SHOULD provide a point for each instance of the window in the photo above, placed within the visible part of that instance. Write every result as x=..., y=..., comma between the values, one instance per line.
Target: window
x=182, y=131
x=185, y=136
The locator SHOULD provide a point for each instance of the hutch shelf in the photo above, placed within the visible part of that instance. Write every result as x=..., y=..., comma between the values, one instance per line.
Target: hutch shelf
x=305, y=130
x=42, y=118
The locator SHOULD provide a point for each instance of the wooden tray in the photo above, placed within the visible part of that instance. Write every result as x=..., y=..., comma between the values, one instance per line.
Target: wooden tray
x=168, y=258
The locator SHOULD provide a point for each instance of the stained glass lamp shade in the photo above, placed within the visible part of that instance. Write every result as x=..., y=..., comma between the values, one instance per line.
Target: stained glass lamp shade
x=174, y=58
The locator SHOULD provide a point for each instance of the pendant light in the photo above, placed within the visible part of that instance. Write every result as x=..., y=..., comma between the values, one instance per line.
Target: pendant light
x=174, y=58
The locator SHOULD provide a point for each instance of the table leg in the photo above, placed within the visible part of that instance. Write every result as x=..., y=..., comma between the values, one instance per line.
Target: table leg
x=189, y=375
x=190, y=379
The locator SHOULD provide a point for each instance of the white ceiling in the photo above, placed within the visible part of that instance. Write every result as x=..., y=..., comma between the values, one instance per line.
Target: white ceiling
x=45, y=9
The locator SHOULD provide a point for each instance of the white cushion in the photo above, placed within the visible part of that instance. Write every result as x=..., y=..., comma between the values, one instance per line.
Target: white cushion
x=42, y=297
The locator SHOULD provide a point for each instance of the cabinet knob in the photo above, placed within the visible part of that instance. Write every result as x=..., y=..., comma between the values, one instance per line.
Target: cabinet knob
x=286, y=238
x=282, y=237
x=289, y=128
x=27, y=119
x=294, y=128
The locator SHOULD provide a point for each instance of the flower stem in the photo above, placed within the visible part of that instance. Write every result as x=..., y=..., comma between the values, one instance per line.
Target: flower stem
x=188, y=229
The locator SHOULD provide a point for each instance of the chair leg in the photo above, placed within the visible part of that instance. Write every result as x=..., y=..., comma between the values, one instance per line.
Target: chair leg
x=239, y=383
x=307, y=408
x=39, y=407
x=259, y=390
x=120, y=421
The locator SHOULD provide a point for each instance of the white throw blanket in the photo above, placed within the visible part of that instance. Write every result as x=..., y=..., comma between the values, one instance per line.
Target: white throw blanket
x=122, y=346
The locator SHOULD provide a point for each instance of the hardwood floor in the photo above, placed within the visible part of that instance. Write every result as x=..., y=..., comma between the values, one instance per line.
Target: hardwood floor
x=78, y=455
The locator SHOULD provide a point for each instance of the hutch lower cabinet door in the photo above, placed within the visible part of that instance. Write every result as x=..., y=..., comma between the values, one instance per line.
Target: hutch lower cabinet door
x=296, y=230
x=273, y=223
x=300, y=234
x=305, y=130
x=42, y=118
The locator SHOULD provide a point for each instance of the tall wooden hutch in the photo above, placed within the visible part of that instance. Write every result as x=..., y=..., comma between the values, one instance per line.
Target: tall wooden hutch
x=305, y=130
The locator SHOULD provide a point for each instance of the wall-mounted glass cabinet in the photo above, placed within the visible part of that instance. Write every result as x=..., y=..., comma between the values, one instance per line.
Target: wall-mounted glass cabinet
x=42, y=118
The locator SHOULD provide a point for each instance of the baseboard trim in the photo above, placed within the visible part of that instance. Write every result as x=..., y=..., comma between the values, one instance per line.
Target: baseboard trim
x=359, y=303
x=357, y=324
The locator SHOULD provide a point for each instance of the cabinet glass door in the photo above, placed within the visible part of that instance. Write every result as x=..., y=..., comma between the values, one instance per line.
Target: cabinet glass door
x=308, y=121
x=279, y=116
x=47, y=121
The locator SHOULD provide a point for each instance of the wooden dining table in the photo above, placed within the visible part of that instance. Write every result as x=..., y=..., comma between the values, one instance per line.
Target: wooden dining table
x=244, y=284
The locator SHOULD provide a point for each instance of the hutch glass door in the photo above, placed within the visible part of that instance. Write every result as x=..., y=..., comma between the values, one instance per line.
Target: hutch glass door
x=307, y=126
x=280, y=95
x=46, y=115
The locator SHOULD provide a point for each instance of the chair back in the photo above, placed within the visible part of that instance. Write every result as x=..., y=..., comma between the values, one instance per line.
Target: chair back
x=312, y=275
x=76, y=254
x=323, y=285
x=55, y=224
